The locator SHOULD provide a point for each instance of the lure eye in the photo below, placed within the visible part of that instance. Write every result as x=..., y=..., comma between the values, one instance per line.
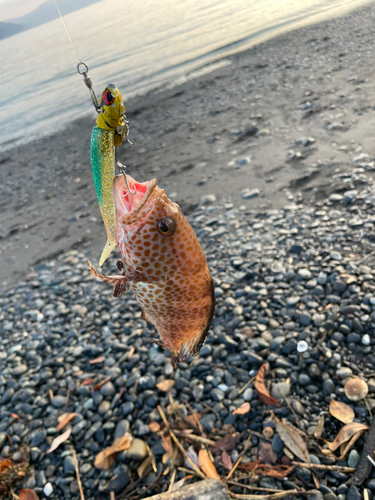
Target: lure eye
x=108, y=97
x=166, y=226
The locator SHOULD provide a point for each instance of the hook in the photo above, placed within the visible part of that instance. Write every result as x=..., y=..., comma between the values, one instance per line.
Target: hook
x=122, y=169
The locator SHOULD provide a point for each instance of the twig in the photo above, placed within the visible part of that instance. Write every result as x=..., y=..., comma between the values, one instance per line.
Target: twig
x=243, y=389
x=290, y=407
x=259, y=435
x=173, y=477
x=132, y=486
x=196, y=439
x=274, y=496
x=239, y=458
x=77, y=474
x=188, y=471
x=181, y=448
x=337, y=468
x=112, y=495
x=255, y=488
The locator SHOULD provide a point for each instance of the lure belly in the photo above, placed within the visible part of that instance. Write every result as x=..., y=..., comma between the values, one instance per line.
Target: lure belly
x=111, y=126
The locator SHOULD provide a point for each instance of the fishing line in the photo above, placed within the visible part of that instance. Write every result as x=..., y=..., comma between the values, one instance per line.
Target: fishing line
x=67, y=32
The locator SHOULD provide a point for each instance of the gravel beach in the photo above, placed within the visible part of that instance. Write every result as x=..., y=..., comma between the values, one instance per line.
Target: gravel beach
x=272, y=159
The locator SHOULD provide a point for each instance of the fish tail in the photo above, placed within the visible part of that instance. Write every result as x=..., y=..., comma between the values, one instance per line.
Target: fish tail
x=107, y=250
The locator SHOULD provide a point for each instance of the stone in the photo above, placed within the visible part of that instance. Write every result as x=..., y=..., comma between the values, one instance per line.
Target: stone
x=137, y=450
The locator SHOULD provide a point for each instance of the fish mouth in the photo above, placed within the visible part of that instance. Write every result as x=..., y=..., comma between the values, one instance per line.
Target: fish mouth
x=132, y=207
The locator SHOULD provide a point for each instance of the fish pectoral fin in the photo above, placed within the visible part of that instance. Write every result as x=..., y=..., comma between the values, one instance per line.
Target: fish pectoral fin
x=119, y=290
x=119, y=281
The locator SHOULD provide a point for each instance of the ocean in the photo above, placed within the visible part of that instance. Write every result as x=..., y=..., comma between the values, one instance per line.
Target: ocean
x=138, y=45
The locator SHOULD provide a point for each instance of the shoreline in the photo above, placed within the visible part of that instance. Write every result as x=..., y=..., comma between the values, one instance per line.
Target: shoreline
x=236, y=128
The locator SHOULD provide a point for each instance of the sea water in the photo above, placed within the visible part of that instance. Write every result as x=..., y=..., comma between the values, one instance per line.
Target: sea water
x=136, y=44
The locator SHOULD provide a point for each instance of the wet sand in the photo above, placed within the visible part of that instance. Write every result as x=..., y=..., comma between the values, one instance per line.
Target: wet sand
x=283, y=118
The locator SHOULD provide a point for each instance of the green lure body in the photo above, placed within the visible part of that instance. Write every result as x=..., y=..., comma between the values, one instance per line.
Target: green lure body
x=108, y=133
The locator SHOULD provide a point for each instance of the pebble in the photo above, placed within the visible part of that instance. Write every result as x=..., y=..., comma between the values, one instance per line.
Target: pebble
x=353, y=458
x=48, y=489
x=137, y=450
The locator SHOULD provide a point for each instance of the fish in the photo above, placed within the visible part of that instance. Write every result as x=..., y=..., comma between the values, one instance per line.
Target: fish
x=163, y=264
x=111, y=127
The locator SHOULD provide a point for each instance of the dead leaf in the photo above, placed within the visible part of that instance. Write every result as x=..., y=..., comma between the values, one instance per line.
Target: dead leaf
x=27, y=494
x=341, y=411
x=154, y=426
x=227, y=443
x=192, y=454
x=319, y=427
x=87, y=381
x=259, y=385
x=166, y=443
x=206, y=465
x=227, y=461
x=346, y=433
x=266, y=453
x=179, y=484
x=14, y=415
x=277, y=471
x=59, y=440
x=107, y=457
x=165, y=385
x=350, y=444
x=144, y=466
x=103, y=382
x=100, y=359
x=242, y=410
x=292, y=439
x=64, y=419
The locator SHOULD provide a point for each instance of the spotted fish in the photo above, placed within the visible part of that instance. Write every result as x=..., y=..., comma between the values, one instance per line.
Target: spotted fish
x=111, y=126
x=164, y=265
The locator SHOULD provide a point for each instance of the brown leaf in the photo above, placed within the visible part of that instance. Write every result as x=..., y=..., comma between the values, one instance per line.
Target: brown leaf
x=154, y=426
x=319, y=427
x=350, y=444
x=165, y=385
x=97, y=360
x=144, y=466
x=100, y=384
x=107, y=457
x=64, y=419
x=227, y=461
x=166, y=443
x=14, y=415
x=87, y=381
x=59, y=440
x=228, y=443
x=346, y=433
x=277, y=471
x=259, y=385
x=206, y=465
x=242, y=410
x=266, y=453
x=292, y=439
x=341, y=411
x=27, y=494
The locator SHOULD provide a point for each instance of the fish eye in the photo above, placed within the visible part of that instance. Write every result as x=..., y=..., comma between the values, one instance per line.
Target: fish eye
x=166, y=226
x=108, y=98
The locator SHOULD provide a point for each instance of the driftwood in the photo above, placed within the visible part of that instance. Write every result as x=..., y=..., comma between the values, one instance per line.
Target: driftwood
x=364, y=466
x=208, y=489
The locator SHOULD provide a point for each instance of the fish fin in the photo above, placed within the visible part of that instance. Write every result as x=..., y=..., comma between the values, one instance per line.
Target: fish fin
x=193, y=346
x=144, y=316
x=115, y=280
x=121, y=289
x=107, y=250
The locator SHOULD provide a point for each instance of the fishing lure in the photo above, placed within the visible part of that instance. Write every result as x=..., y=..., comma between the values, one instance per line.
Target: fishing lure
x=111, y=128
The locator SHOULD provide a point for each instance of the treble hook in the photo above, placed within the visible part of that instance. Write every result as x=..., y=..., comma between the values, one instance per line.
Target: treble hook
x=122, y=169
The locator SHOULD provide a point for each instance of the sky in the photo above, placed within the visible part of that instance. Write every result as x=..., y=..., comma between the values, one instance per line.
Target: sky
x=9, y=9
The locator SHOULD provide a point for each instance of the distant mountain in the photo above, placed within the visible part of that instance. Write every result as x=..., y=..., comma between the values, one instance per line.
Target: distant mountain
x=47, y=12
x=9, y=29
